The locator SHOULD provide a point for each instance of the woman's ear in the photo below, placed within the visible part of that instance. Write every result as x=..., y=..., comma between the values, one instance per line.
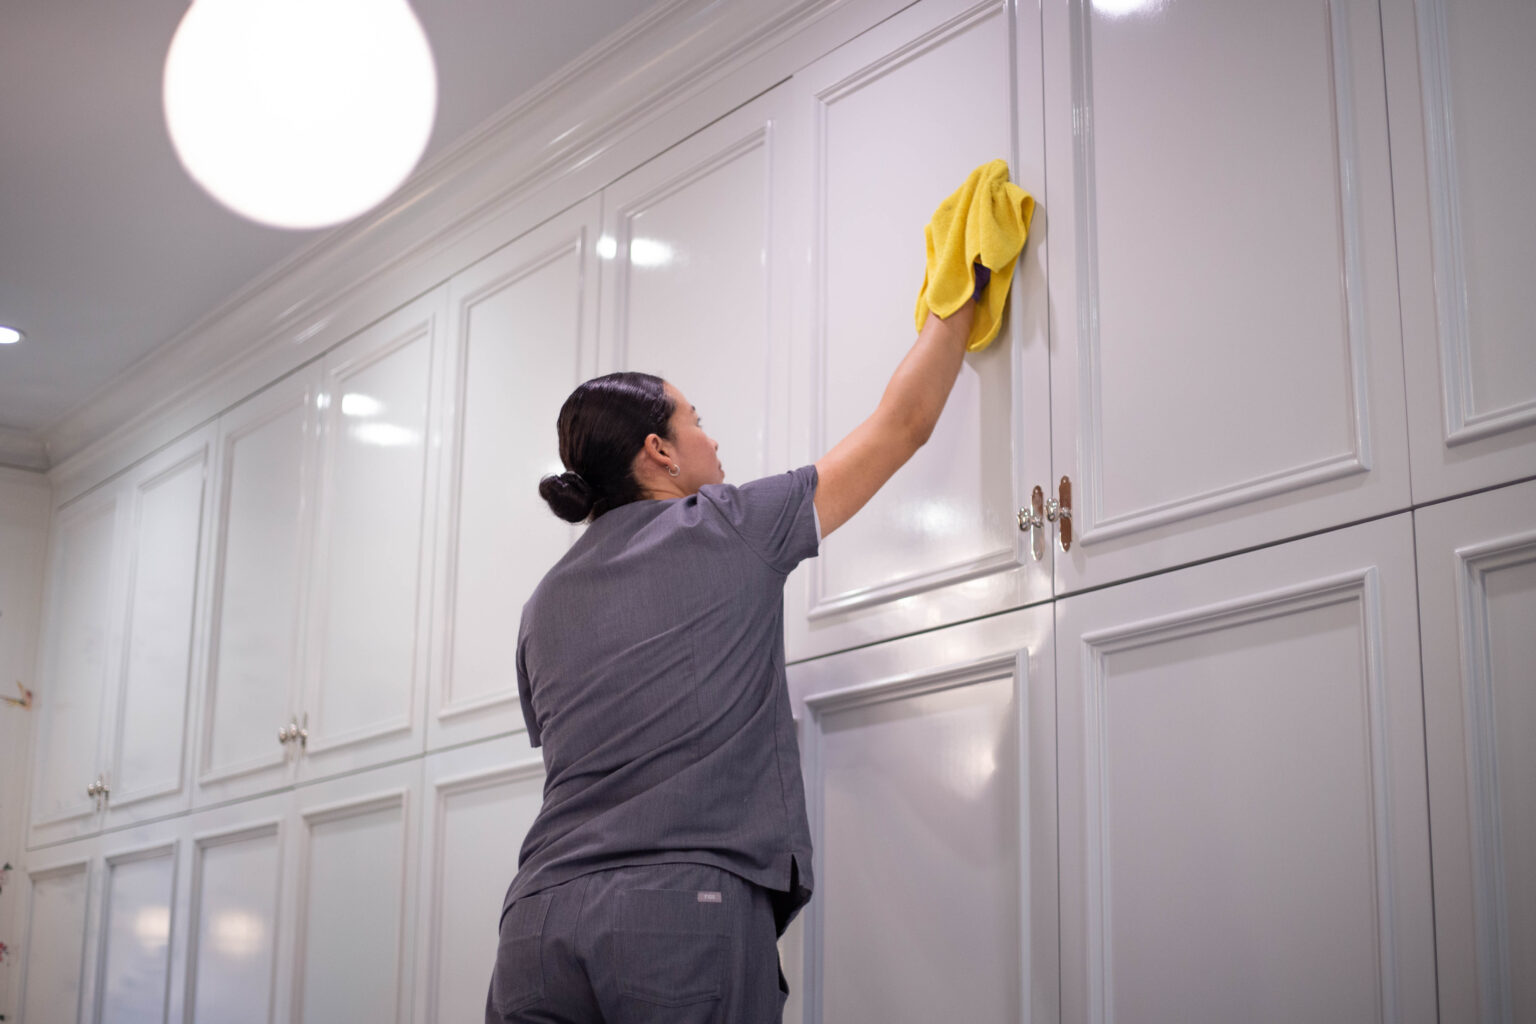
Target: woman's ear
x=656, y=449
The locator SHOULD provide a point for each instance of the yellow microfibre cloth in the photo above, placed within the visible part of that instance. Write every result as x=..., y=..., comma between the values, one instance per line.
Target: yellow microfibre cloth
x=986, y=221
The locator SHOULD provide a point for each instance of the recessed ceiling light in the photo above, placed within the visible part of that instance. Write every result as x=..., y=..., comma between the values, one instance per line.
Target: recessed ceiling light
x=9, y=335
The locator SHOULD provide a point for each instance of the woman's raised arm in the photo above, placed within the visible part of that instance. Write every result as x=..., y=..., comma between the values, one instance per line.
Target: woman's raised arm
x=861, y=463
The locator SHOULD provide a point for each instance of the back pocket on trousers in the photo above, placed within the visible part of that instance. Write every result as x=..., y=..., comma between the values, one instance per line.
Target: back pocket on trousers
x=671, y=946
x=518, y=980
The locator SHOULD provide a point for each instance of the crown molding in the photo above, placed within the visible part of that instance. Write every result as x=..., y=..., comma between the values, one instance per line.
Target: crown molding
x=23, y=451
x=580, y=129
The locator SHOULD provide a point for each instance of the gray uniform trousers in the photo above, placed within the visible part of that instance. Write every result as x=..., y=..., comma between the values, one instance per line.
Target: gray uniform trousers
x=673, y=943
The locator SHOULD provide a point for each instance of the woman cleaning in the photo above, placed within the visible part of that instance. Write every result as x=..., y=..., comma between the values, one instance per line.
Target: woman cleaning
x=672, y=848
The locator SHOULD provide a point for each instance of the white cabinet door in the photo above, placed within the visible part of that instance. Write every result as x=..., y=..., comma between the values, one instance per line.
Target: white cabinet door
x=80, y=649
x=232, y=892
x=54, y=921
x=930, y=780
x=478, y=804
x=1461, y=83
x=695, y=284
x=1228, y=367
x=350, y=895
x=367, y=636
x=886, y=127
x=1477, y=599
x=1242, y=804
x=149, y=746
x=132, y=935
x=521, y=336
x=263, y=507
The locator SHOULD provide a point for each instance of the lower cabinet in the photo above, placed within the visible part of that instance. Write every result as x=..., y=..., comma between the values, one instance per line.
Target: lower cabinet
x=930, y=782
x=478, y=803
x=1243, y=814
x=1477, y=596
x=300, y=906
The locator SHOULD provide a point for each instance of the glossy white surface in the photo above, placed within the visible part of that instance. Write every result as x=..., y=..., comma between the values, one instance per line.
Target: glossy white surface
x=152, y=735
x=689, y=290
x=77, y=658
x=930, y=767
x=521, y=322
x=351, y=905
x=481, y=801
x=234, y=933
x=940, y=541
x=1466, y=224
x=254, y=640
x=366, y=633
x=55, y=946
x=136, y=938
x=920, y=798
x=1229, y=365
x=1242, y=802
x=1477, y=595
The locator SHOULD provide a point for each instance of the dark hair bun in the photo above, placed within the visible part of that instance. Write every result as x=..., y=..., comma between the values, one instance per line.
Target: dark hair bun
x=568, y=495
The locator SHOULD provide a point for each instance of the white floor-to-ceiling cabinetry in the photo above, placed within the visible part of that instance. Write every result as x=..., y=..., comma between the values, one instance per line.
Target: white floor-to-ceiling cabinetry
x=1183, y=675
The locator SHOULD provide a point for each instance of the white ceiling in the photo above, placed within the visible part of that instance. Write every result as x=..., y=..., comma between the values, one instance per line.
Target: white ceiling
x=107, y=248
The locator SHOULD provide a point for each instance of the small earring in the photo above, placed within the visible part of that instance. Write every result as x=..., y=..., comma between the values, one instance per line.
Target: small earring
x=673, y=470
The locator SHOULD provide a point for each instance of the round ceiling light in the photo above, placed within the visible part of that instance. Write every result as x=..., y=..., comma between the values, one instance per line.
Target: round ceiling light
x=9, y=335
x=300, y=113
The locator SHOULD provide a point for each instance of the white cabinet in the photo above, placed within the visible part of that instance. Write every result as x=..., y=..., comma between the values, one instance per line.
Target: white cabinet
x=1227, y=366
x=696, y=283
x=930, y=767
x=75, y=670
x=478, y=803
x=318, y=628
x=298, y=906
x=55, y=909
x=167, y=549
x=265, y=459
x=118, y=664
x=885, y=128
x=1461, y=81
x=369, y=602
x=1243, y=817
x=1477, y=597
x=349, y=899
x=521, y=335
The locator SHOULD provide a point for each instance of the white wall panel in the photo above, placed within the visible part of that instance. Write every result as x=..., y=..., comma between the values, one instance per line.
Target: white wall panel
x=1229, y=367
x=1466, y=224
x=1477, y=593
x=1243, y=815
x=521, y=326
x=135, y=937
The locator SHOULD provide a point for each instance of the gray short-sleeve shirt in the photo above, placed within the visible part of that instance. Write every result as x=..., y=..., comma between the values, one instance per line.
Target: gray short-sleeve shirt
x=650, y=661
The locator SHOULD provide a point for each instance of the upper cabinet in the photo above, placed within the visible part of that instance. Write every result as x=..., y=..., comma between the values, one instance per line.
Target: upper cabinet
x=885, y=128
x=522, y=333
x=695, y=280
x=1227, y=365
x=1466, y=234
x=318, y=624
x=115, y=679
